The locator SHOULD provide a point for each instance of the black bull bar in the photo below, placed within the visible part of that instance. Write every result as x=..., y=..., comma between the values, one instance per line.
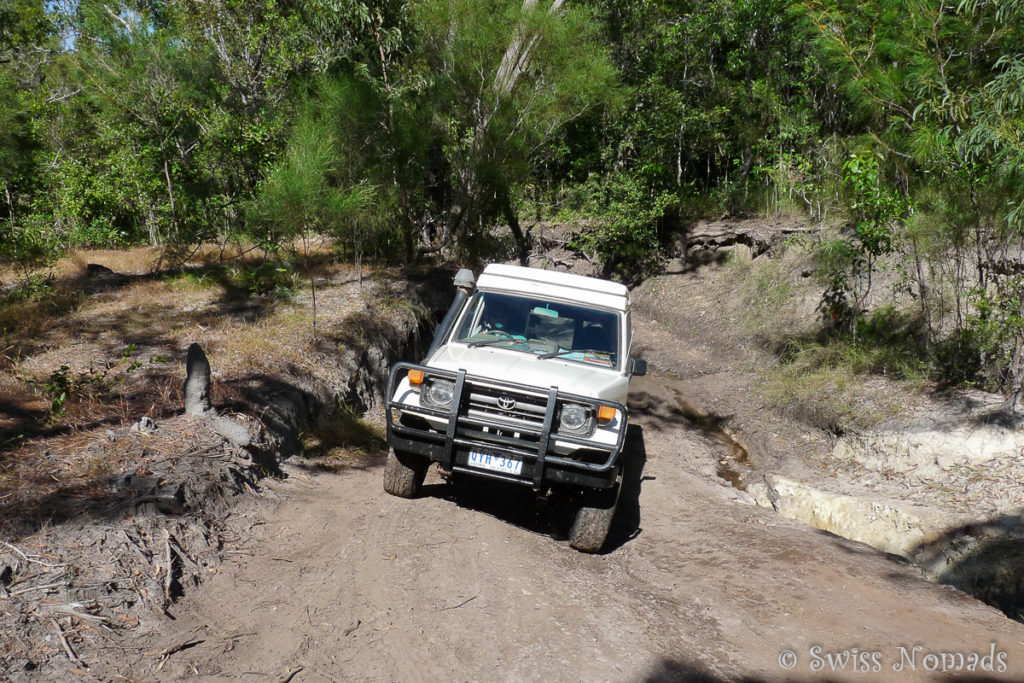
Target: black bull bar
x=595, y=465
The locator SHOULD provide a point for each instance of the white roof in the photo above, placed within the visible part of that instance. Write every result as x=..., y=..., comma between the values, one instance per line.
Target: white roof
x=555, y=285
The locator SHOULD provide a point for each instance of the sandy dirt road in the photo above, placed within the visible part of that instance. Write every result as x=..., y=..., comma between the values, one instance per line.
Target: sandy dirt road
x=335, y=580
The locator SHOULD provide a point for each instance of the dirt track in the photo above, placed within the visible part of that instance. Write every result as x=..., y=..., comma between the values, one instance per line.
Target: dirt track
x=334, y=576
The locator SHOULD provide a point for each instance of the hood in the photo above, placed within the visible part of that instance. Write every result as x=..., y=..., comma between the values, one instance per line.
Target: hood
x=526, y=368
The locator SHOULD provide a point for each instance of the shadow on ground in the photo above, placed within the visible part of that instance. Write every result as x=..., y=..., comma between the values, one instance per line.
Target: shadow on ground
x=552, y=515
x=98, y=406
x=296, y=411
x=984, y=559
x=676, y=671
x=661, y=414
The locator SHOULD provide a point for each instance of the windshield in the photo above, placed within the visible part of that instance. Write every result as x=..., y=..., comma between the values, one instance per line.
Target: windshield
x=544, y=328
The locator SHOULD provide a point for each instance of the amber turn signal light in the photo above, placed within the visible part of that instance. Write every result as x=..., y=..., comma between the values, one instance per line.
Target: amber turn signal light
x=415, y=377
x=605, y=414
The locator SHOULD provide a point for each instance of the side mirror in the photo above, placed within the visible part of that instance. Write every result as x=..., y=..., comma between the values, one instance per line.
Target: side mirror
x=637, y=367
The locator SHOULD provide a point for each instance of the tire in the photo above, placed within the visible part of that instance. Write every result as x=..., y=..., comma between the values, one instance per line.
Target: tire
x=404, y=473
x=593, y=520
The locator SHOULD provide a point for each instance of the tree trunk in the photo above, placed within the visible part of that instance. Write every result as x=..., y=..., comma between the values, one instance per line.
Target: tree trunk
x=1016, y=370
x=512, y=218
x=514, y=63
x=197, y=382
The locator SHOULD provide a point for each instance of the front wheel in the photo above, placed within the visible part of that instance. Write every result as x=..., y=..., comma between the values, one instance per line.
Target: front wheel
x=404, y=473
x=593, y=520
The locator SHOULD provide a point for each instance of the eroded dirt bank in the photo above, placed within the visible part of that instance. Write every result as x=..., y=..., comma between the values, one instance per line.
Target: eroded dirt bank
x=928, y=473
x=105, y=528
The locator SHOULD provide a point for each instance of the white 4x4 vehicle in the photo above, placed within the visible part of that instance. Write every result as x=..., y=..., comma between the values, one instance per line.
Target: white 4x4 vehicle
x=525, y=382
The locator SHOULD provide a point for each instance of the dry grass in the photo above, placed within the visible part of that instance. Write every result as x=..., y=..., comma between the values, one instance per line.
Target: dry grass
x=27, y=319
x=139, y=260
x=73, y=265
x=149, y=259
x=81, y=356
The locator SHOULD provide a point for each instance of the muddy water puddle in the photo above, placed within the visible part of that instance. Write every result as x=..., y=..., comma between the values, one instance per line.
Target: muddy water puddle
x=733, y=461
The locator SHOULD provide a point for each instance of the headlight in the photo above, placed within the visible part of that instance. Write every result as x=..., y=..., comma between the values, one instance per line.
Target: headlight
x=574, y=417
x=440, y=392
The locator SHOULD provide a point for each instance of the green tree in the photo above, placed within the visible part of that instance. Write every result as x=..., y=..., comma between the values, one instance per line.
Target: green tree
x=877, y=211
x=27, y=46
x=937, y=87
x=311, y=190
x=174, y=113
x=720, y=89
x=504, y=81
x=725, y=107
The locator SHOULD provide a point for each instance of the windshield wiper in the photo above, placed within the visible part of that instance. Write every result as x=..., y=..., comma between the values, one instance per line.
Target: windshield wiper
x=553, y=354
x=488, y=342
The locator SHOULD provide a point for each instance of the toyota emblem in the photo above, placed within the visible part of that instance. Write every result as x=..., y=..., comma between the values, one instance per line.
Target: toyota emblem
x=506, y=403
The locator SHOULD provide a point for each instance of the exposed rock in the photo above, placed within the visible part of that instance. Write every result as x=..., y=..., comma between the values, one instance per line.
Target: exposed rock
x=886, y=525
x=931, y=452
x=144, y=425
x=746, y=240
x=552, y=250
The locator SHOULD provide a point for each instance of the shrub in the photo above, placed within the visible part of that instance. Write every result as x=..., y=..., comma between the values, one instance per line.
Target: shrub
x=631, y=215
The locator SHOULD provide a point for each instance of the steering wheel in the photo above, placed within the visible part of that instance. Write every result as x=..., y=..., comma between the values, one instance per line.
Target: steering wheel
x=502, y=334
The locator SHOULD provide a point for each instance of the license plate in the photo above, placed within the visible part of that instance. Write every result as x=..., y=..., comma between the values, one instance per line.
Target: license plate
x=495, y=463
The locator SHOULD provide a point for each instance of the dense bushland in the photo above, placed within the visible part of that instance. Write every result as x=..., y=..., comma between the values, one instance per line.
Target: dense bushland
x=404, y=128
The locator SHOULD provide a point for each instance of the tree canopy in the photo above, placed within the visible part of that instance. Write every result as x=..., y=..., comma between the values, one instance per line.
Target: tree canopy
x=409, y=127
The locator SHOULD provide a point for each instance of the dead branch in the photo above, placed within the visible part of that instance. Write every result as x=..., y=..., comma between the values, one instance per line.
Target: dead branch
x=31, y=558
x=67, y=646
x=76, y=609
x=169, y=578
x=22, y=591
x=183, y=551
x=52, y=100
x=164, y=503
x=143, y=553
x=166, y=654
x=461, y=604
x=291, y=674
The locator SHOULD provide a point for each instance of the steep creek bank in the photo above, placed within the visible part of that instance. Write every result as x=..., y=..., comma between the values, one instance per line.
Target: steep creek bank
x=938, y=480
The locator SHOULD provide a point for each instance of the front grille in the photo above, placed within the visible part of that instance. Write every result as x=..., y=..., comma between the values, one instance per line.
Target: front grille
x=488, y=422
x=514, y=408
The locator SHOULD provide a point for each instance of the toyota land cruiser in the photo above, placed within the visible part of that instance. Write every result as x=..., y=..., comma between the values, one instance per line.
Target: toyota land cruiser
x=525, y=382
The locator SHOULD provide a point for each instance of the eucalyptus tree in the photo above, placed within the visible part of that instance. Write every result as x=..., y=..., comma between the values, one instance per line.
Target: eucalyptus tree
x=441, y=106
x=504, y=79
x=179, y=109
